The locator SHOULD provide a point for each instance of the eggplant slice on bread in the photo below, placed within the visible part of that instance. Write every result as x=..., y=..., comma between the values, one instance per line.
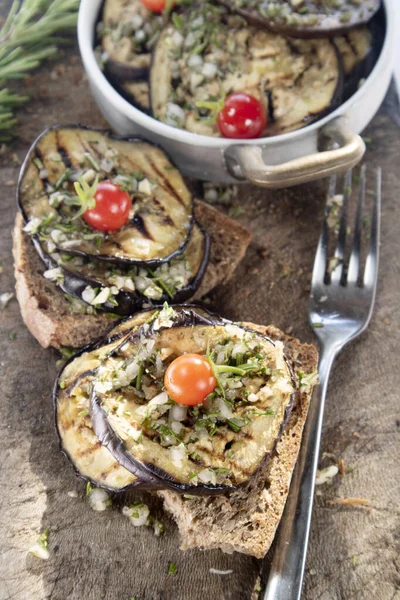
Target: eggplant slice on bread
x=212, y=53
x=162, y=216
x=119, y=427
x=160, y=254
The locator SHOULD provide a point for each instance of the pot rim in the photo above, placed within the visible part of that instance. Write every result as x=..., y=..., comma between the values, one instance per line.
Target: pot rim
x=115, y=100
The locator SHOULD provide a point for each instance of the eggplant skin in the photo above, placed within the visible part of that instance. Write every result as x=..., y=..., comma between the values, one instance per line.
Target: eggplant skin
x=108, y=436
x=163, y=215
x=78, y=369
x=237, y=57
x=126, y=303
x=136, y=92
x=315, y=22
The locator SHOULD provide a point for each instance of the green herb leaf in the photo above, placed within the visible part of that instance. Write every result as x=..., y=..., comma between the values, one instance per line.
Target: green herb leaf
x=85, y=198
x=177, y=21
x=236, y=424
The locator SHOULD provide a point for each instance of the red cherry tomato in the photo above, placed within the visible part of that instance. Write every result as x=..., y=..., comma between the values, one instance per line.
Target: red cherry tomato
x=112, y=208
x=157, y=6
x=242, y=117
x=189, y=379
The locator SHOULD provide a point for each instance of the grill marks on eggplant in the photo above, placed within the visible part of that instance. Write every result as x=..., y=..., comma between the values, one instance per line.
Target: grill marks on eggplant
x=354, y=47
x=305, y=19
x=134, y=434
x=297, y=80
x=164, y=207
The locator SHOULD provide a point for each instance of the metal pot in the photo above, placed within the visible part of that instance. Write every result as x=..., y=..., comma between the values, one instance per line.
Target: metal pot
x=275, y=162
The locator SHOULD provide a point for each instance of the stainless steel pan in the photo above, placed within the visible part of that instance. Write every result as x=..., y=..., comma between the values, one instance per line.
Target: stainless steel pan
x=275, y=162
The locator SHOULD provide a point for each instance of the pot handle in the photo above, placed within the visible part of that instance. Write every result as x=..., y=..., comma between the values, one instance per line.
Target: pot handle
x=245, y=162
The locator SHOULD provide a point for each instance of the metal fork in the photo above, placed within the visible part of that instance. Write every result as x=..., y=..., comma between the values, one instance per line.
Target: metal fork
x=340, y=310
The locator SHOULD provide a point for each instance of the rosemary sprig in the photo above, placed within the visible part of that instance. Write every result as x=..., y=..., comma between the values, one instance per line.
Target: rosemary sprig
x=29, y=36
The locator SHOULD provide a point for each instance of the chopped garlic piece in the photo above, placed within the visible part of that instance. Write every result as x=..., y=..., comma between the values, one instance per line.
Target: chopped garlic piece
x=138, y=514
x=99, y=500
x=145, y=187
x=326, y=475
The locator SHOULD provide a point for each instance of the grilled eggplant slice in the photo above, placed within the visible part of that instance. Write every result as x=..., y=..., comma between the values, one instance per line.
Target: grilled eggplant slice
x=305, y=18
x=354, y=47
x=123, y=291
x=161, y=218
x=128, y=31
x=220, y=54
x=91, y=460
x=208, y=449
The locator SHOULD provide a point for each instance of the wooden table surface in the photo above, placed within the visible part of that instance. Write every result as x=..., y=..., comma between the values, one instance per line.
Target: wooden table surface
x=354, y=552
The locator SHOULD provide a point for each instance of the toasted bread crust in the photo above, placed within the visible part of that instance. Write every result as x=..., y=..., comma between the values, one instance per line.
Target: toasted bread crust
x=46, y=312
x=246, y=521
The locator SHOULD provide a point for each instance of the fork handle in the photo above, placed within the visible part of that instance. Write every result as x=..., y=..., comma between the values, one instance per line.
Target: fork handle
x=285, y=572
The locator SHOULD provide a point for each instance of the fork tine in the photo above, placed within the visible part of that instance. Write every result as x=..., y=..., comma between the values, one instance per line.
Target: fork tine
x=354, y=263
x=371, y=265
x=321, y=256
x=337, y=273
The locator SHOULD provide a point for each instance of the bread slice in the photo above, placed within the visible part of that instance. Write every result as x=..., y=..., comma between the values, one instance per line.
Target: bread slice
x=47, y=313
x=246, y=521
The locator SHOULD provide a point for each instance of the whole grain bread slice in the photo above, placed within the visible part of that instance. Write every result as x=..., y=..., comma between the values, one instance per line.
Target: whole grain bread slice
x=247, y=520
x=47, y=313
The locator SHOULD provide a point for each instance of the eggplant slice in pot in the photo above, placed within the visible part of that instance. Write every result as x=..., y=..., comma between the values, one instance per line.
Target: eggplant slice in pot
x=219, y=54
x=122, y=290
x=90, y=459
x=161, y=218
x=305, y=18
x=207, y=449
x=127, y=32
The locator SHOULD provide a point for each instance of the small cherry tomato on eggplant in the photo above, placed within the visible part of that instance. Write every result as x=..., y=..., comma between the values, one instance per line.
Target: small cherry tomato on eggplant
x=112, y=208
x=189, y=379
x=157, y=6
x=242, y=117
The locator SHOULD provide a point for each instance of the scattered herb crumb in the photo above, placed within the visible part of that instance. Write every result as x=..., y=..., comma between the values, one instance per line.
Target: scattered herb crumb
x=172, y=569
x=349, y=501
x=40, y=548
x=13, y=335
x=159, y=528
x=355, y=560
x=5, y=299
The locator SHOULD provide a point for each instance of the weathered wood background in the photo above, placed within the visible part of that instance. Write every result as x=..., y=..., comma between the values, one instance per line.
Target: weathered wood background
x=354, y=552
